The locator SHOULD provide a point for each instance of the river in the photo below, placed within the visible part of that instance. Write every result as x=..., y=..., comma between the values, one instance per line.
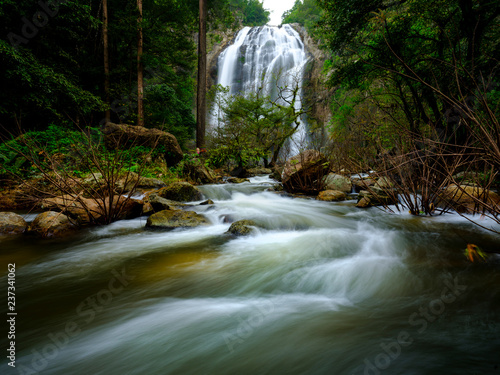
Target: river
x=318, y=288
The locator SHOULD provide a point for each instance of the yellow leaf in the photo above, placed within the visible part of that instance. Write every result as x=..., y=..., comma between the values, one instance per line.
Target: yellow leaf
x=474, y=252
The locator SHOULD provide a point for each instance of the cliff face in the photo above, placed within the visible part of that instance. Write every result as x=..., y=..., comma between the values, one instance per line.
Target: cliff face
x=316, y=93
x=217, y=42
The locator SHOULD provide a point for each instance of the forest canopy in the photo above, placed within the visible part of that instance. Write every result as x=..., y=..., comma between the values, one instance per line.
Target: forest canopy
x=51, y=55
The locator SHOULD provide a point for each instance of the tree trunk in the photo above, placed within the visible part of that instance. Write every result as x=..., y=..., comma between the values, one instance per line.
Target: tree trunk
x=201, y=104
x=107, y=115
x=140, y=68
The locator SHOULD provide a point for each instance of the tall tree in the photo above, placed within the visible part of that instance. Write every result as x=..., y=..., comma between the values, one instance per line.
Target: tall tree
x=106, y=58
x=140, y=68
x=201, y=113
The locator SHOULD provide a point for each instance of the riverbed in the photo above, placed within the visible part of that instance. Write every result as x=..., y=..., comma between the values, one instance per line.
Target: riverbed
x=317, y=288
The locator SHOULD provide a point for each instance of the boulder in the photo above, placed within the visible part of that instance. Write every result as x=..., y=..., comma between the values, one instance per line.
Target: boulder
x=84, y=210
x=181, y=191
x=90, y=211
x=123, y=136
x=304, y=172
x=464, y=198
x=147, y=209
x=198, y=172
x=374, y=197
x=337, y=182
x=384, y=183
x=11, y=223
x=241, y=227
x=331, y=196
x=237, y=180
x=362, y=184
x=207, y=202
x=52, y=224
x=277, y=172
x=128, y=208
x=364, y=202
x=169, y=219
x=159, y=204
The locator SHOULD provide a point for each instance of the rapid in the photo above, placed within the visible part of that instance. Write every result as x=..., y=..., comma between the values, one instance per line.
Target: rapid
x=317, y=288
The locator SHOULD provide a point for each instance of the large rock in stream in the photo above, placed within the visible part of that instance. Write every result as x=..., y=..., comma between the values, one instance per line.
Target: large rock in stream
x=331, y=196
x=198, y=172
x=159, y=204
x=181, y=192
x=375, y=197
x=304, y=172
x=464, y=199
x=337, y=182
x=169, y=219
x=241, y=227
x=52, y=224
x=11, y=223
x=91, y=211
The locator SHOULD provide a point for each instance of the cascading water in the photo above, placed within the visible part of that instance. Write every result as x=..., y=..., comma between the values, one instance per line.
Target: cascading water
x=266, y=58
x=317, y=288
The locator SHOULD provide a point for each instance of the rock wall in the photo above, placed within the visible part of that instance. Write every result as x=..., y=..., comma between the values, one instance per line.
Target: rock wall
x=216, y=43
x=315, y=91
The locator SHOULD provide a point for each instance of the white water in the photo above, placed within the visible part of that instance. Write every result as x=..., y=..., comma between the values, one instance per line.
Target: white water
x=266, y=57
x=315, y=289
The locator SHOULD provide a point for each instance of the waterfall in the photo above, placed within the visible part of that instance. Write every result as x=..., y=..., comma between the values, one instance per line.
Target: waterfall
x=265, y=57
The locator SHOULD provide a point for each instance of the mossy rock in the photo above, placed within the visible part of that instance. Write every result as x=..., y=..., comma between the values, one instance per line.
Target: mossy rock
x=168, y=219
x=237, y=180
x=241, y=227
x=159, y=204
x=370, y=199
x=464, y=199
x=181, y=192
x=337, y=182
x=11, y=223
x=52, y=224
x=331, y=196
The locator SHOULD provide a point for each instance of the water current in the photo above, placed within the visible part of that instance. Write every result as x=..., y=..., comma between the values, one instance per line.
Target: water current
x=317, y=288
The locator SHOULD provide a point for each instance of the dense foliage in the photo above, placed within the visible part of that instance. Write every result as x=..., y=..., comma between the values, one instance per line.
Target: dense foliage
x=254, y=127
x=416, y=92
x=250, y=12
x=51, y=56
x=63, y=150
x=411, y=59
x=304, y=12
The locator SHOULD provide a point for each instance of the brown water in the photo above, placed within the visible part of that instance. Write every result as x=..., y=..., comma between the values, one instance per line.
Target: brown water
x=320, y=288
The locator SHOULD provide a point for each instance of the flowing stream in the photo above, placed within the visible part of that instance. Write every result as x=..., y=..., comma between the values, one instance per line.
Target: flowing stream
x=317, y=288
x=270, y=58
